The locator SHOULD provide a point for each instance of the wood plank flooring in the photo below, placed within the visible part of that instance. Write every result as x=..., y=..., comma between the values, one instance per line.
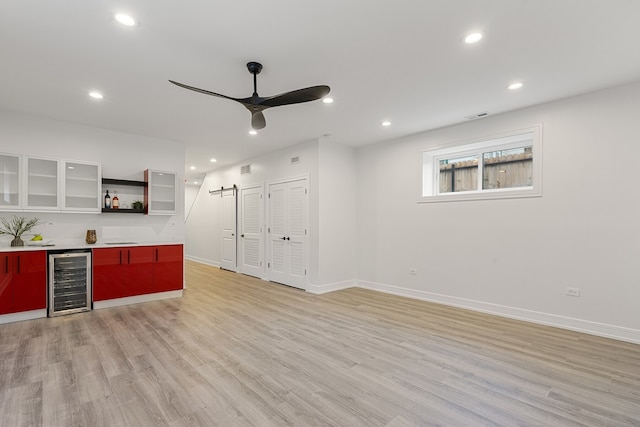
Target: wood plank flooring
x=237, y=351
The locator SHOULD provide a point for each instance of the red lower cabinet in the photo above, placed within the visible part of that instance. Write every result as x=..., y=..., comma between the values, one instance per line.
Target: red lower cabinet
x=122, y=272
x=23, y=281
x=6, y=285
x=108, y=282
x=168, y=268
x=136, y=270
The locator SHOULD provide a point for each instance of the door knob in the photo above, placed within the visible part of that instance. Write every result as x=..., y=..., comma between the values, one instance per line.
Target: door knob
x=287, y=238
x=283, y=238
x=242, y=235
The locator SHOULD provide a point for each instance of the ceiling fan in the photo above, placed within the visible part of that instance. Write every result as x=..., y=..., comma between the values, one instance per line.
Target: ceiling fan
x=256, y=104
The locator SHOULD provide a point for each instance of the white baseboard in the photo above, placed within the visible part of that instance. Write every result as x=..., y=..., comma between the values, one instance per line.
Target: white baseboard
x=593, y=328
x=97, y=305
x=202, y=261
x=330, y=287
x=23, y=315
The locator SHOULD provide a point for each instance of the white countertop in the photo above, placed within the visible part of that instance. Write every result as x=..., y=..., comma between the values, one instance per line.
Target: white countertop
x=82, y=245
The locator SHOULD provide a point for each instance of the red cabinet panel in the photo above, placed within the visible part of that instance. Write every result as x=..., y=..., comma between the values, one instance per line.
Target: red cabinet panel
x=6, y=283
x=139, y=270
x=167, y=269
x=23, y=281
x=108, y=277
x=30, y=281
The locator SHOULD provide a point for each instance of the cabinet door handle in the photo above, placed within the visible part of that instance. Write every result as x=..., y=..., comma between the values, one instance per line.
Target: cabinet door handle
x=157, y=257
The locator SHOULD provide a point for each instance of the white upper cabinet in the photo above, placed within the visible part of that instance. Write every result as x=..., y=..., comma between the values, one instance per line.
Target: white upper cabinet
x=42, y=182
x=10, y=170
x=161, y=192
x=48, y=185
x=82, y=186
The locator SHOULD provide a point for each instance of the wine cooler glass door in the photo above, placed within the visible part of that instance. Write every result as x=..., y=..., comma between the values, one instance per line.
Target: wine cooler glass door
x=69, y=283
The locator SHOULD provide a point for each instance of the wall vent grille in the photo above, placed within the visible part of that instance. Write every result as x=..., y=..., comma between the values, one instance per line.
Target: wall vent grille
x=477, y=115
x=295, y=160
x=245, y=170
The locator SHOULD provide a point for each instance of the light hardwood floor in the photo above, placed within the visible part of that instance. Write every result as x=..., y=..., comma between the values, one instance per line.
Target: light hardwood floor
x=237, y=351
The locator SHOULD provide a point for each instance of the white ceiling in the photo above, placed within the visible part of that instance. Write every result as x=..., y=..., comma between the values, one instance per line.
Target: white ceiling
x=401, y=60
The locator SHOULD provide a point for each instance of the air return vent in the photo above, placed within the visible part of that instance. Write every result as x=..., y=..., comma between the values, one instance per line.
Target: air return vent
x=295, y=160
x=477, y=115
x=245, y=170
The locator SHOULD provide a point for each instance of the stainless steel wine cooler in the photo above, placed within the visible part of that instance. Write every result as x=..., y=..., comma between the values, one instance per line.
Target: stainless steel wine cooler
x=69, y=282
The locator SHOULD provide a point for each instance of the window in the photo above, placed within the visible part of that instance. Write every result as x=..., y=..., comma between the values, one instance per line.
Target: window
x=503, y=166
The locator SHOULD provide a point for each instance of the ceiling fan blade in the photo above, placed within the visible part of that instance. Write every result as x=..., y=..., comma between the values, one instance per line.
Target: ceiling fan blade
x=296, y=96
x=257, y=120
x=206, y=92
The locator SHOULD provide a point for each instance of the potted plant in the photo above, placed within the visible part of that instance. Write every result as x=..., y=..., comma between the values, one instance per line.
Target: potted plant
x=16, y=228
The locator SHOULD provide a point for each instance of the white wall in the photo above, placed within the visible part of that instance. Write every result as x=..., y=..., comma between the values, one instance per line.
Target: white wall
x=122, y=156
x=336, y=217
x=515, y=257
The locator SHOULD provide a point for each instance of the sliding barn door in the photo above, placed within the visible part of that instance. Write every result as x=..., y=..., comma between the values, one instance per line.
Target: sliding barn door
x=228, y=217
x=288, y=206
x=250, y=230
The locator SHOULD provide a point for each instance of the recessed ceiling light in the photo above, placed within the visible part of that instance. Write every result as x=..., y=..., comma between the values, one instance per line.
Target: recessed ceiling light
x=96, y=95
x=192, y=168
x=195, y=182
x=473, y=38
x=386, y=123
x=514, y=86
x=212, y=160
x=327, y=100
x=126, y=20
x=253, y=132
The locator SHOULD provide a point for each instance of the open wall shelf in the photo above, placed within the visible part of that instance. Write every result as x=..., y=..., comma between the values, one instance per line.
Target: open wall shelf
x=119, y=184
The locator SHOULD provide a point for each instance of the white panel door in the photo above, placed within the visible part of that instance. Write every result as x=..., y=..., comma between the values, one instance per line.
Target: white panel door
x=288, y=233
x=251, y=240
x=228, y=216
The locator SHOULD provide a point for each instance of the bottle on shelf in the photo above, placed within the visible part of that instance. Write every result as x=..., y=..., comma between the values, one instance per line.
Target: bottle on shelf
x=115, y=202
x=107, y=201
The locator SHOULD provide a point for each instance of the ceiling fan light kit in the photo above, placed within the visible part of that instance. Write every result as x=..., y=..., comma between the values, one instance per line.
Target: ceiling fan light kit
x=257, y=104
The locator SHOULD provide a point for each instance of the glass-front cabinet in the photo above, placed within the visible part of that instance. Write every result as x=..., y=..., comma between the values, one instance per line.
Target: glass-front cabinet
x=10, y=170
x=161, y=192
x=82, y=186
x=42, y=183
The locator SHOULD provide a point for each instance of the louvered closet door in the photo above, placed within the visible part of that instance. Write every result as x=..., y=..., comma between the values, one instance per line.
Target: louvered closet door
x=251, y=241
x=288, y=233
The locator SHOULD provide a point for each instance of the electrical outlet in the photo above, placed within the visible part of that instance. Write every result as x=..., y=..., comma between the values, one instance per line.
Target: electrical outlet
x=572, y=292
x=413, y=271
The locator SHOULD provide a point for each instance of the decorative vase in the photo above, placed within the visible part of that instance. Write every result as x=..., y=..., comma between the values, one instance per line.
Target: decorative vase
x=91, y=237
x=17, y=241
